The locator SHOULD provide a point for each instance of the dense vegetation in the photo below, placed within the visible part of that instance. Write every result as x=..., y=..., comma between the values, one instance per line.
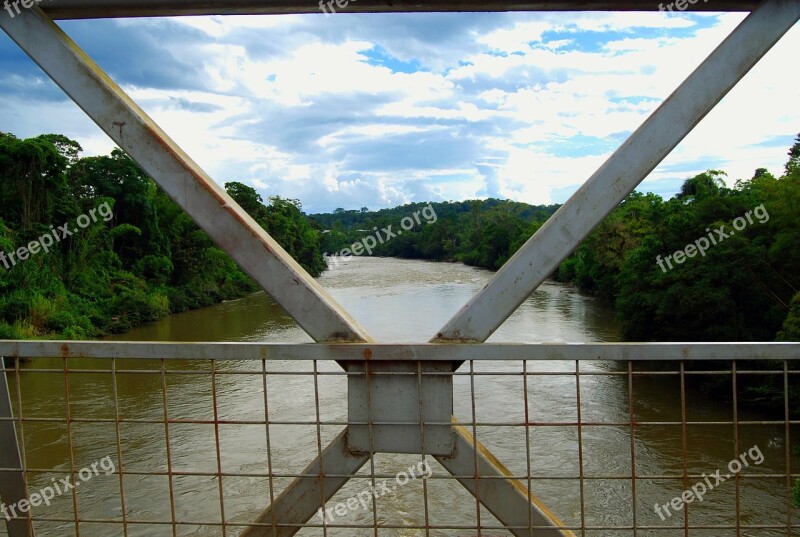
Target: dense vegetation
x=478, y=233
x=743, y=288
x=146, y=260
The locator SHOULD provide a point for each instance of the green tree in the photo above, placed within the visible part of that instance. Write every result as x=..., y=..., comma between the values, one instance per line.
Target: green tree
x=119, y=178
x=248, y=199
x=791, y=325
x=32, y=181
x=285, y=222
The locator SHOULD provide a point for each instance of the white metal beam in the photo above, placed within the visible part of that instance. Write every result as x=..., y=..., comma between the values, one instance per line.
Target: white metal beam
x=181, y=178
x=622, y=172
x=507, y=499
x=81, y=9
x=387, y=352
x=302, y=499
x=13, y=487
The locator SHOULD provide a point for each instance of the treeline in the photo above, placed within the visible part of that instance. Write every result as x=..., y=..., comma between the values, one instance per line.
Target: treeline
x=710, y=264
x=150, y=259
x=146, y=260
x=478, y=233
x=742, y=286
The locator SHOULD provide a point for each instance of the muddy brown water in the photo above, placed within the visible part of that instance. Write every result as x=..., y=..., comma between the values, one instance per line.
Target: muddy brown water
x=398, y=301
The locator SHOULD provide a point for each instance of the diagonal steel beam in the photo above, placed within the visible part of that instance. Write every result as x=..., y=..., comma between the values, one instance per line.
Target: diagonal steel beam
x=622, y=172
x=562, y=233
x=507, y=499
x=13, y=487
x=208, y=204
x=181, y=178
x=301, y=500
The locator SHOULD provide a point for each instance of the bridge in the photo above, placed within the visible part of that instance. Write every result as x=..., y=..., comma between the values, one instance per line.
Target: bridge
x=400, y=397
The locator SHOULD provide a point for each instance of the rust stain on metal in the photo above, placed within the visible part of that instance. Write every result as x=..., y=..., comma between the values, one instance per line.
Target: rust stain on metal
x=65, y=351
x=347, y=450
x=367, y=354
x=158, y=136
x=490, y=459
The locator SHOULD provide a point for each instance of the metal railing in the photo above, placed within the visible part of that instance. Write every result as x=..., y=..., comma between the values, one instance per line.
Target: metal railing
x=214, y=440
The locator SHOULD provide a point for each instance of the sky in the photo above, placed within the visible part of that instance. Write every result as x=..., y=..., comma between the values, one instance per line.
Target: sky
x=361, y=110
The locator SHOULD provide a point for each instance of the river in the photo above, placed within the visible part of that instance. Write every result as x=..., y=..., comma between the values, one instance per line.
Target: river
x=397, y=301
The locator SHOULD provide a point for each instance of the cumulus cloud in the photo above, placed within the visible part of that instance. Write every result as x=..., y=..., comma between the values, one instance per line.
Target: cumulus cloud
x=360, y=110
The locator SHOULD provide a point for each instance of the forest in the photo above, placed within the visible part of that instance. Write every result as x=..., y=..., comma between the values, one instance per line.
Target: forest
x=146, y=260
x=149, y=259
x=742, y=288
x=482, y=233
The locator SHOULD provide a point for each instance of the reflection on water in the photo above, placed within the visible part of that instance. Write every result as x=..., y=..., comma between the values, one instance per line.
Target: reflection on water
x=399, y=301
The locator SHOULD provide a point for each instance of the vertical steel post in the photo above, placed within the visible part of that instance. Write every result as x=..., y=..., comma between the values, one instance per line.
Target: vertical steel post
x=13, y=487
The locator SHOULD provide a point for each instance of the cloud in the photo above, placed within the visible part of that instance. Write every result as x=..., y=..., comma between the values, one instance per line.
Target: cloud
x=357, y=110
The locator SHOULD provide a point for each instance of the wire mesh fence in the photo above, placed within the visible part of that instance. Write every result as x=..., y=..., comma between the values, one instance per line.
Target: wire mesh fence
x=201, y=447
